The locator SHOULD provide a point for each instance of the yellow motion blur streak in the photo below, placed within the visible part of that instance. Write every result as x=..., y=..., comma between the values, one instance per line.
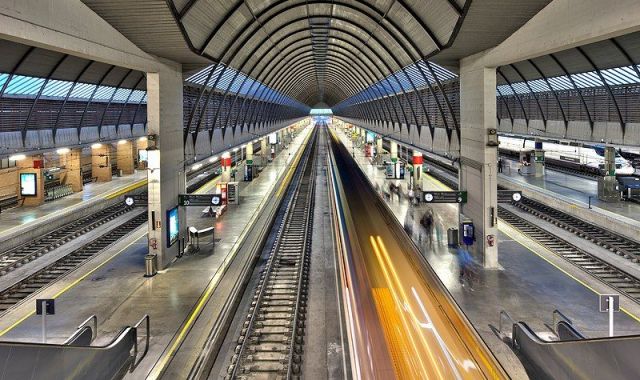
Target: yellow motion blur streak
x=411, y=327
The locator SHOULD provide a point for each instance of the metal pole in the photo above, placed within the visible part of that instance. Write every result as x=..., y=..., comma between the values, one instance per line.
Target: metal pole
x=610, y=316
x=44, y=321
x=589, y=202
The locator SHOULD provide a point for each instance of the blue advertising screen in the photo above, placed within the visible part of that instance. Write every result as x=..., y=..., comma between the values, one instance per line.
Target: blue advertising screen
x=173, y=226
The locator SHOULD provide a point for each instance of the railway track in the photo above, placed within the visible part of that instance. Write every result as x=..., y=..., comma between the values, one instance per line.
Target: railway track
x=615, y=243
x=601, y=270
x=47, y=275
x=270, y=343
x=18, y=256
x=608, y=274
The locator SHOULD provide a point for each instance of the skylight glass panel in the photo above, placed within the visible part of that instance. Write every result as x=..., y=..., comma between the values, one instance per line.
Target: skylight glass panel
x=136, y=96
x=560, y=83
x=22, y=85
x=505, y=89
x=121, y=94
x=539, y=85
x=82, y=90
x=585, y=80
x=57, y=88
x=3, y=78
x=104, y=93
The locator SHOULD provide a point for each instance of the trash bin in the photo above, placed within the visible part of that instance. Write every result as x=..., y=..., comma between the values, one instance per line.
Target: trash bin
x=452, y=237
x=150, y=265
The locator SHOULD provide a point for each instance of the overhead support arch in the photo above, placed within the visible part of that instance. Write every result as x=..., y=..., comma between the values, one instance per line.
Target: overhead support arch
x=524, y=112
x=66, y=98
x=533, y=94
x=607, y=87
x=576, y=89
x=38, y=95
x=553, y=91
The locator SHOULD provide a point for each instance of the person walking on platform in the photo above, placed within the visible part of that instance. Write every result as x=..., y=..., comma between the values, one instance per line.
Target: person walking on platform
x=427, y=223
x=465, y=262
x=500, y=164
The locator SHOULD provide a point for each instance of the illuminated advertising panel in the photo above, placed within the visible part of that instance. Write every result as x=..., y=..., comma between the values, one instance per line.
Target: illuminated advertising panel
x=173, y=226
x=28, y=183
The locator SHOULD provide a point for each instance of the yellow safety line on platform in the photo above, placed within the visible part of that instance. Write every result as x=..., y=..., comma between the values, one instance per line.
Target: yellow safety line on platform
x=127, y=189
x=521, y=236
x=74, y=283
x=163, y=362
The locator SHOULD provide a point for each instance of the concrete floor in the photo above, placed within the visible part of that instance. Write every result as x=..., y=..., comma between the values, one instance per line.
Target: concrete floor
x=112, y=287
x=530, y=286
x=17, y=217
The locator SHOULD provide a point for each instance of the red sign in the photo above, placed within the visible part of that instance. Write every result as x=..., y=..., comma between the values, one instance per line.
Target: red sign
x=418, y=160
x=37, y=164
x=226, y=162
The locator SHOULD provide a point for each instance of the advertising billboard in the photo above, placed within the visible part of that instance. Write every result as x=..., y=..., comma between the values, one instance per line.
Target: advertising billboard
x=173, y=226
x=28, y=183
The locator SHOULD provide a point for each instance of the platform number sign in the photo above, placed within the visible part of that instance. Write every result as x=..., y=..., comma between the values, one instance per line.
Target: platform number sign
x=129, y=201
x=45, y=306
x=216, y=199
x=444, y=196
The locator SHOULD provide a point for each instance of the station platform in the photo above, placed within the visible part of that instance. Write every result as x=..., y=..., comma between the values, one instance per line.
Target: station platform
x=181, y=299
x=532, y=283
x=574, y=187
x=17, y=219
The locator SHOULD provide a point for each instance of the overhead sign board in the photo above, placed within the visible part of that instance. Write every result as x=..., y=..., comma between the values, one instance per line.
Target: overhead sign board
x=507, y=196
x=200, y=199
x=444, y=196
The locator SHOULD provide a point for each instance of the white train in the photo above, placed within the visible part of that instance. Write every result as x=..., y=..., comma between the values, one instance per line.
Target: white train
x=584, y=157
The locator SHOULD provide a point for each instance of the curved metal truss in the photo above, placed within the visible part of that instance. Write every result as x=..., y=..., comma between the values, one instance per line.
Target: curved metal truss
x=255, y=38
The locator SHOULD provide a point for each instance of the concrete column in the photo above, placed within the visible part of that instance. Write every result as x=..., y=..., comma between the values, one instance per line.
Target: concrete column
x=225, y=164
x=73, y=169
x=166, y=177
x=265, y=151
x=249, y=153
x=478, y=174
x=124, y=157
x=101, y=162
x=538, y=158
x=379, y=148
x=393, y=150
x=31, y=165
x=417, y=168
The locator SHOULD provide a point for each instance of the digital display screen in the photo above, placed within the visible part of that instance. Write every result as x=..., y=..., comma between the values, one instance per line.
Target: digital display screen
x=173, y=226
x=28, y=184
x=370, y=137
x=142, y=155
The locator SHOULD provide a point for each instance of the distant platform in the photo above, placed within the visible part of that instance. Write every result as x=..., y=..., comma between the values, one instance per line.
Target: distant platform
x=15, y=219
x=574, y=187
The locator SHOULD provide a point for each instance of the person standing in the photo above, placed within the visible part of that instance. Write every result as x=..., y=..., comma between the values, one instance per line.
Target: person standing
x=500, y=163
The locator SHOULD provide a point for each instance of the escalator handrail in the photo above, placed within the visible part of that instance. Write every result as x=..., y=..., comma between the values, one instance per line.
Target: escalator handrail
x=146, y=319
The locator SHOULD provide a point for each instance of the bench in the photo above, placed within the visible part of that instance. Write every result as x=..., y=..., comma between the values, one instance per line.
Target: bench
x=212, y=211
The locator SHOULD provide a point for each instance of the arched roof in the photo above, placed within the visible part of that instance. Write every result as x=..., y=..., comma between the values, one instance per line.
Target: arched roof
x=318, y=50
